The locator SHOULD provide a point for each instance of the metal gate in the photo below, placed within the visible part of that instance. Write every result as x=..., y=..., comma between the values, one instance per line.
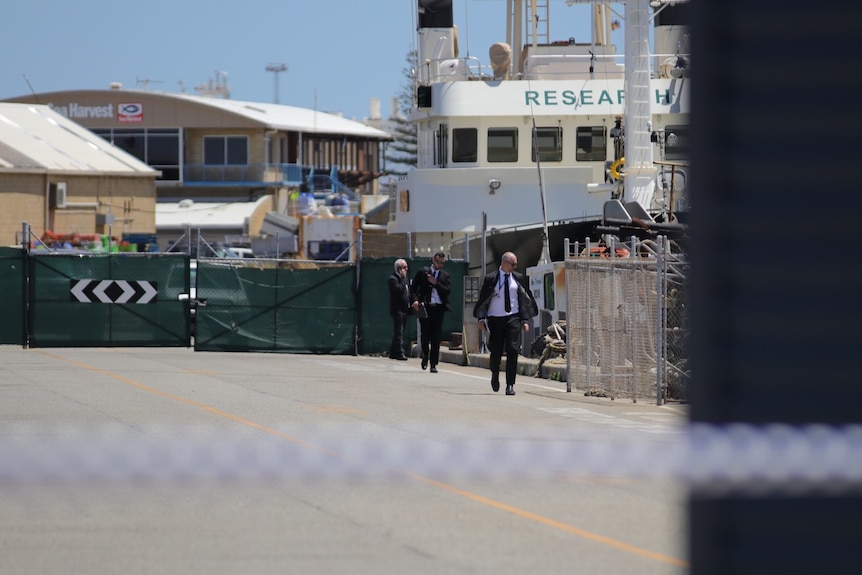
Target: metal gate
x=275, y=305
x=110, y=300
x=627, y=328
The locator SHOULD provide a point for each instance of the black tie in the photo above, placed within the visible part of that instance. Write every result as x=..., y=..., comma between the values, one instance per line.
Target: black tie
x=506, y=294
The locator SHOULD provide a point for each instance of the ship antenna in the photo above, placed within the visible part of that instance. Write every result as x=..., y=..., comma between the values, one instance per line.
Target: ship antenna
x=467, y=29
x=546, y=250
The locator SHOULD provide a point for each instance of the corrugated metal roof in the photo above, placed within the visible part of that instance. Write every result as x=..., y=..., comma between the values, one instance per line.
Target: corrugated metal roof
x=209, y=215
x=282, y=117
x=35, y=137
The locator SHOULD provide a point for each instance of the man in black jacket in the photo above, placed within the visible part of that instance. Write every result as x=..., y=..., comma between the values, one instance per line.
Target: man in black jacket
x=431, y=287
x=399, y=307
x=503, y=309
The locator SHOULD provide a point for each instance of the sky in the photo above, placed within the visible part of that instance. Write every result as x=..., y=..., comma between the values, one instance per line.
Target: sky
x=339, y=53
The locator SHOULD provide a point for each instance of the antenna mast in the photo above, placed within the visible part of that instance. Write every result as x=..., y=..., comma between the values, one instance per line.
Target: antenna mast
x=276, y=69
x=26, y=79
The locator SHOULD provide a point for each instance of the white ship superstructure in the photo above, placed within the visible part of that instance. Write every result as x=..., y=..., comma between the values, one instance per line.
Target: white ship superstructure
x=548, y=128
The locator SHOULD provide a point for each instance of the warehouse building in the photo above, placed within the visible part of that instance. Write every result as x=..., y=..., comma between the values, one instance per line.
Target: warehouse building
x=66, y=182
x=216, y=150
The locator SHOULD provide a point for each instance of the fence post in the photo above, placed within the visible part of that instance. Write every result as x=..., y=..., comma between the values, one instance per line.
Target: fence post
x=25, y=272
x=358, y=256
x=661, y=288
x=588, y=324
x=567, y=247
x=357, y=322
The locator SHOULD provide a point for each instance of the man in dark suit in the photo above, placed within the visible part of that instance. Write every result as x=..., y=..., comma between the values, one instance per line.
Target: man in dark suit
x=504, y=308
x=399, y=307
x=431, y=287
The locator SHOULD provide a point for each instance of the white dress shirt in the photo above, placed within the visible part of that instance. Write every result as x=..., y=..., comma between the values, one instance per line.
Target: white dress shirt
x=497, y=308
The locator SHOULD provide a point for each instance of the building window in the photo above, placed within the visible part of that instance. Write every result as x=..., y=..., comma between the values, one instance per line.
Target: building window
x=549, y=142
x=502, y=144
x=225, y=150
x=134, y=143
x=465, y=145
x=591, y=144
x=159, y=148
x=163, y=152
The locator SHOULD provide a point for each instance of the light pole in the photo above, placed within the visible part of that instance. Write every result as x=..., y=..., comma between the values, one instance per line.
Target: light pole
x=276, y=69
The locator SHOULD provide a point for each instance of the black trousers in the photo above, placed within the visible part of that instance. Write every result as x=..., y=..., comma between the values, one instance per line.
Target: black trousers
x=399, y=323
x=432, y=333
x=504, y=338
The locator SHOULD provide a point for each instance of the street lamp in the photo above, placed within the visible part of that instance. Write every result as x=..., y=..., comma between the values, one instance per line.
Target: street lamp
x=276, y=69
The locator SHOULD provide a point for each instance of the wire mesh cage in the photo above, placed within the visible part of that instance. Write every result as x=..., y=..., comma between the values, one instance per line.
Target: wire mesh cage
x=627, y=328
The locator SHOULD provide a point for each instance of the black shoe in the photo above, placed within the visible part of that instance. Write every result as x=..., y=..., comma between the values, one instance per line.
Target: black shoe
x=495, y=383
x=424, y=363
x=401, y=357
x=510, y=389
x=433, y=369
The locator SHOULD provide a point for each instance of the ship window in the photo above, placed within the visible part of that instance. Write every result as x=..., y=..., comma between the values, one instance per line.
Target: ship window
x=502, y=144
x=225, y=150
x=592, y=144
x=464, y=144
x=676, y=143
x=549, y=142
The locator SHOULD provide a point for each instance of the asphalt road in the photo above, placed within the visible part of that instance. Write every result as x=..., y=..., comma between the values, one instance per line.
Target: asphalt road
x=170, y=461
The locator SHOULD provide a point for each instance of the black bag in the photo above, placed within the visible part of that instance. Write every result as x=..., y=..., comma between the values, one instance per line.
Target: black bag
x=422, y=313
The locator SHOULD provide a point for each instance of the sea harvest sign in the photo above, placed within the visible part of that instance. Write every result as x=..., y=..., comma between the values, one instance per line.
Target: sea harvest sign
x=126, y=112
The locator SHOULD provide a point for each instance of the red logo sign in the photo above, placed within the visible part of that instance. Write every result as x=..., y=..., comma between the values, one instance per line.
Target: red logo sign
x=130, y=112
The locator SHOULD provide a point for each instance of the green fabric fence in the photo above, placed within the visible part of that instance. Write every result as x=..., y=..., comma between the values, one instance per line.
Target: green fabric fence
x=12, y=277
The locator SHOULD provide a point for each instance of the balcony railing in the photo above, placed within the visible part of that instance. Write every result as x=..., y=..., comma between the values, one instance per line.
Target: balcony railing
x=245, y=175
x=315, y=179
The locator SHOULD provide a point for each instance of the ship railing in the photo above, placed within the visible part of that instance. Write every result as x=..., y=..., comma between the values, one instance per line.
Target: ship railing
x=452, y=69
x=551, y=66
x=556, y=67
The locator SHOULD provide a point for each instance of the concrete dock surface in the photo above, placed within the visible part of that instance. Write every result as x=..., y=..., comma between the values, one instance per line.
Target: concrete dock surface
x=153, y=460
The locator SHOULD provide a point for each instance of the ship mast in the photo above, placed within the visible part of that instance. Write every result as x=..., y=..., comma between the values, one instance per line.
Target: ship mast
x=639, y=182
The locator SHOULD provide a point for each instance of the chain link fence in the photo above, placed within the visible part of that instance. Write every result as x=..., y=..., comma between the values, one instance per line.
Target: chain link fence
x=627, y=327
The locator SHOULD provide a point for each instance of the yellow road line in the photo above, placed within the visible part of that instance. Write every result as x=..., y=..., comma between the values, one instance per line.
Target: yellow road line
x=555, y=524
x=588, y=535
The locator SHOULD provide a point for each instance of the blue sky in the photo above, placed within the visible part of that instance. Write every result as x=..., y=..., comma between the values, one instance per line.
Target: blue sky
x=339, y=53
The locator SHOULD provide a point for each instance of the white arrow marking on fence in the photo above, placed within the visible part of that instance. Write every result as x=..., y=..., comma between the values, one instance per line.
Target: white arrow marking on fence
x=128, y=291
x=149, y=292
x=78, y=290
x=99, y=292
